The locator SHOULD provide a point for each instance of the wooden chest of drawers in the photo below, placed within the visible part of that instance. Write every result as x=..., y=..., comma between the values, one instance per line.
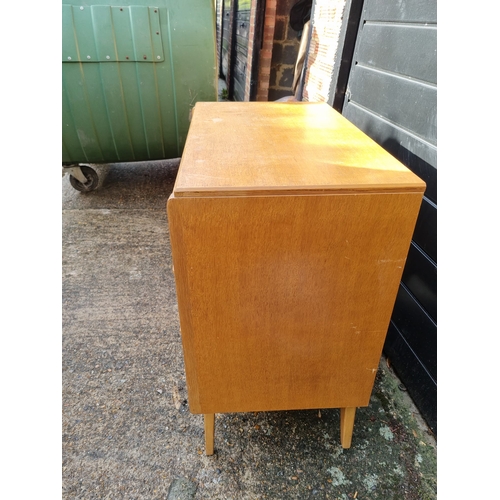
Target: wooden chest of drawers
x=289, y=231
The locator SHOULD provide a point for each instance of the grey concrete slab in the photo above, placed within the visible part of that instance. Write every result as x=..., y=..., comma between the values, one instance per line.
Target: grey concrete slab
x=127, y=430
x=182, y=489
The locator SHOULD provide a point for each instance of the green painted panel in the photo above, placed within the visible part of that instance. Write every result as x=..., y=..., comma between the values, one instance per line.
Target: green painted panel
x=65, y=151
x=71, y=141
x=78, y=105
x=154, y=20
x=69, y=47
x=150, y=107
x=123, y=36
x=84, y=35
x=106, y=34
x=192, y=79
x=132, y=106
x=141, y=33
x=97, y=108
x=118, y=109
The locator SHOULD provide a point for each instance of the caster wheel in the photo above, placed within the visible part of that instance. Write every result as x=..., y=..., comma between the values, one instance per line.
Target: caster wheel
x=92, y=180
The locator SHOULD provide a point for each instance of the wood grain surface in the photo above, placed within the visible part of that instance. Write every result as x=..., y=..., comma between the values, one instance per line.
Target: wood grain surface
x=285, y=301
x=257, y=148
x=290, y=230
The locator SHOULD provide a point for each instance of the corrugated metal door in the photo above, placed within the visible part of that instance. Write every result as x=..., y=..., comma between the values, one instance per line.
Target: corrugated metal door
x=219, y=6
x=391, y=95
x=234, y=53
x=241, y=49
x=226, y=37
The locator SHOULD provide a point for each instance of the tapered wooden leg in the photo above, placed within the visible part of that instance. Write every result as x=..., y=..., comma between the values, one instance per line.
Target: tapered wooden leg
x=346, y=425
x=209, y=420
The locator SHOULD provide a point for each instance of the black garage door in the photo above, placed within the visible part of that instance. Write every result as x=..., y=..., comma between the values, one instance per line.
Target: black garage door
x=391, y=95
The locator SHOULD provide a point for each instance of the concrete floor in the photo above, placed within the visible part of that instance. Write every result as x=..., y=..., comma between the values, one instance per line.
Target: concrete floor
x=127, y=429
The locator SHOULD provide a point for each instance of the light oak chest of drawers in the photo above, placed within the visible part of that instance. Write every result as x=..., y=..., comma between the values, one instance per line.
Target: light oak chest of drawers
x=289, y=231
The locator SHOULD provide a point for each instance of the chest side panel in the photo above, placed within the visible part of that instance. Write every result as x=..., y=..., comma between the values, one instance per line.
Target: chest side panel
x=285, y=301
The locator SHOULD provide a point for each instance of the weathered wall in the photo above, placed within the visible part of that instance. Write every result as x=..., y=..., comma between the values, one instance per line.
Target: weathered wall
x=251, y=42
x=285, y=49
x=280, y=46
x=218, y=25
x=326, y=25
x=266, y=53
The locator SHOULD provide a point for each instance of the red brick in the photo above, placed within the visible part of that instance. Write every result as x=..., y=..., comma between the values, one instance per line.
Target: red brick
x=269, y=31
x=270, y=10
x=269, y=19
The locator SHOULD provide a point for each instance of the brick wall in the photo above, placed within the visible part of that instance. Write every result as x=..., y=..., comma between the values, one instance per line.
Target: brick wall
x=251, y=41
x=266, y=52
x=285, y=49
x=280, y=45
x=326, y=25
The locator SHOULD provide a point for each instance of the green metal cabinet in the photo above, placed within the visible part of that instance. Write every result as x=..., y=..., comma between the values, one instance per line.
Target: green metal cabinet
x=131, y=73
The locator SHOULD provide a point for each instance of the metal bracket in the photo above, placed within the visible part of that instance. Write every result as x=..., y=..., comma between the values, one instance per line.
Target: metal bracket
x=76, y=172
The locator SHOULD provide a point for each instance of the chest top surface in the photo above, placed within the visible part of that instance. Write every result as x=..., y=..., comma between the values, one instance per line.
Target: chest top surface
x=268, y=148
